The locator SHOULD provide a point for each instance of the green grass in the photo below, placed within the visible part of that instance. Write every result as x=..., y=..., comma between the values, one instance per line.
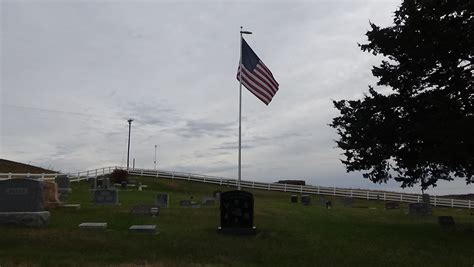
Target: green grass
x=289, y=234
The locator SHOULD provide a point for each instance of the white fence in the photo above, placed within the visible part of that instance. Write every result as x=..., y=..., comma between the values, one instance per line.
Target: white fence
x=302, y=189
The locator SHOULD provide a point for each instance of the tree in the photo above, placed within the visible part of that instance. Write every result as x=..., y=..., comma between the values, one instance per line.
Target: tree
x=422, y=131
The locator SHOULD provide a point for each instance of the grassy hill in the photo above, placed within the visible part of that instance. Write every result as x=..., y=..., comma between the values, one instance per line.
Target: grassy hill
x=13, y=166
x=289, y=234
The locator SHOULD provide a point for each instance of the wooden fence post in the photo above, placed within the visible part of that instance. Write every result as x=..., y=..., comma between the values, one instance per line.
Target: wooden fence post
x=334, y=188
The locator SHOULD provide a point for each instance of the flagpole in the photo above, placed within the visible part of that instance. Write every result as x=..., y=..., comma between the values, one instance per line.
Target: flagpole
x=240, y=107
x=240, y=111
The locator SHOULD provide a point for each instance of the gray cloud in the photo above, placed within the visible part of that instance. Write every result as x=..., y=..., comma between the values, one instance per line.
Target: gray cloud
x=77, y=70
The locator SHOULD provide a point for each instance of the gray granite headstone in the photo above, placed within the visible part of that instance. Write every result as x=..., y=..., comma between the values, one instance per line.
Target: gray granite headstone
x=419, y=209
x=348, y=201
x=64, y=189
x=306, y=200
x=162, y=200
x=105, y=196
x=21, y=195
x=217, y=194
x=62, y=181
x=22, y=203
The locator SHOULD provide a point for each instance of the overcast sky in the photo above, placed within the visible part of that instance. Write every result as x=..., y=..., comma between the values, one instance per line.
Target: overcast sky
x=73, y=72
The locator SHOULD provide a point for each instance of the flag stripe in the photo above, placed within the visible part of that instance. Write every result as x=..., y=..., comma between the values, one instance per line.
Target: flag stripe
x=261, y=84
x=254, y=92
x=264, y=79
x=266, y=74
x=256, y=88
x=269, y=73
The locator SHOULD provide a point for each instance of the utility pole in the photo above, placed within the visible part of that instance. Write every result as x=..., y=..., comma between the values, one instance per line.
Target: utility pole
x=155, y=156
x=128, y=150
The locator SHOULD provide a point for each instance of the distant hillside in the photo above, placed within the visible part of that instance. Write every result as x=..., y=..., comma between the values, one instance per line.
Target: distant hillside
x=463, y=197
x=12, y=166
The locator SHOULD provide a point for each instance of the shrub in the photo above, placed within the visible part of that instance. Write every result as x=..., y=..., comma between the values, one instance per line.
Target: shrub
x=119, y=176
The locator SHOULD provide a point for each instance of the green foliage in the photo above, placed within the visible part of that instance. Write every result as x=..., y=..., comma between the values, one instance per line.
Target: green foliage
x=423, y=130
x=118, y=176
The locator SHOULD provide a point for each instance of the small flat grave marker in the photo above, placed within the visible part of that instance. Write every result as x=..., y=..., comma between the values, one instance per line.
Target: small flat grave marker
x=72, y=206
x=94, y=226
x=143, y=229
x=208, y=201
x=146, y=209
x=392, y=205
x=185, y=203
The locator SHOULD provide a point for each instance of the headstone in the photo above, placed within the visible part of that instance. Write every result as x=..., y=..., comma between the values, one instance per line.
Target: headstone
x=143, y=229
x=208, y=201
x=62, y=181
x=185, y=202
x=392, y=205
x=446, y=221
x=306, y=200
x=418, y=209
x=21, y=203
x=152, y=210
x=162, y=200
x=217, y=194
x=123, y=185
x=105, y=196
x=294, y=199
x=348, y=201
x=21, y=195
x=427, y=200
x=64, y=189
x=236, y=212
x=50, y=195
x=328, y=205
x=105, y=183
x=93, y=226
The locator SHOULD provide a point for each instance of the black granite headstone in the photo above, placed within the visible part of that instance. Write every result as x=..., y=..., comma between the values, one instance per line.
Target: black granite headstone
x=236, y=210
x=294, y=199
x=328, y=204
x=21, y=195
x=446, y=221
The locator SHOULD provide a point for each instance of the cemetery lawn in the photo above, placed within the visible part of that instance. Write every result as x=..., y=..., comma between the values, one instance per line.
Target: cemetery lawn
x=289, y=234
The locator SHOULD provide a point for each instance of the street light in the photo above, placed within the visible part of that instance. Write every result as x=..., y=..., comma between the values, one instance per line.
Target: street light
x=155, y=156
x=128, y=150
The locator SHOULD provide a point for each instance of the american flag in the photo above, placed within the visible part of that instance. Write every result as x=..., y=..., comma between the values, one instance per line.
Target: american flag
x=256, y=77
